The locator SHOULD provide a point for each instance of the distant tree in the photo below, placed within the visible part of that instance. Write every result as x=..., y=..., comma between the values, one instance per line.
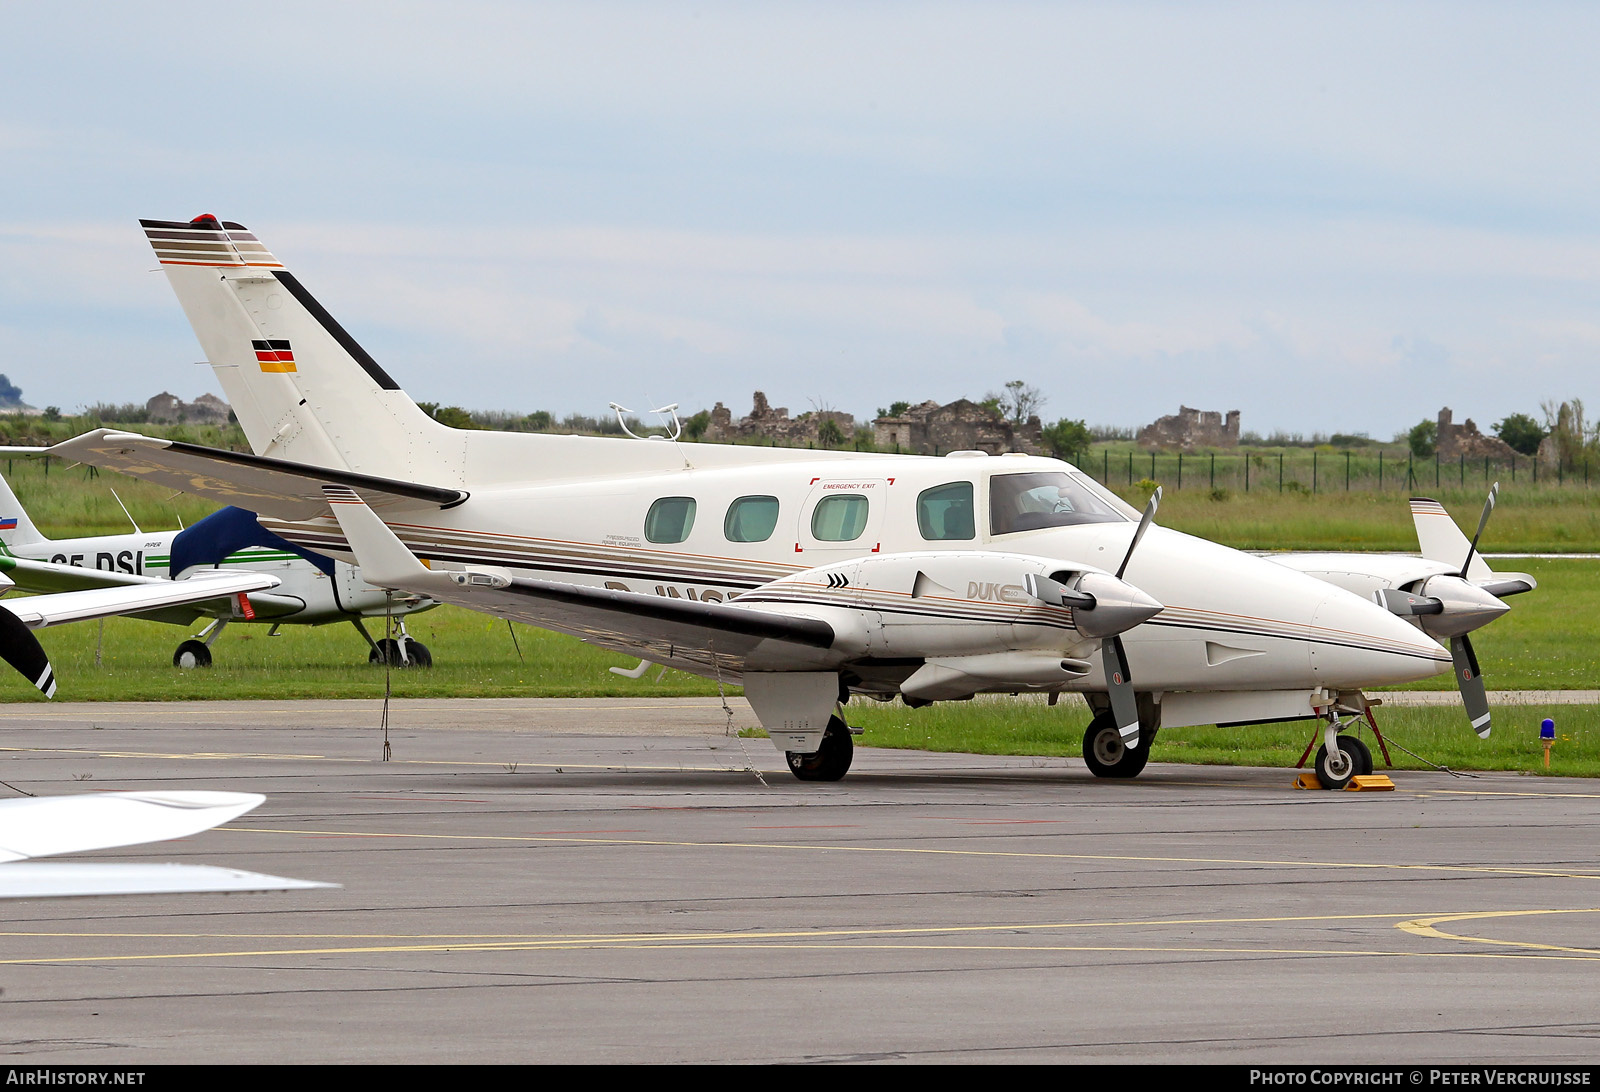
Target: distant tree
x=829, y=434
x=695, y=427
x=53, y=413
x=1065, y=438
x=1521, y=432
x=539, y=421
x=1018, y=402
x=1423, y=438
x=453, y=416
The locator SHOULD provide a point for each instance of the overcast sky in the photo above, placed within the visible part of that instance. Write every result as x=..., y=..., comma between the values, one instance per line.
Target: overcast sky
x=1332, y=217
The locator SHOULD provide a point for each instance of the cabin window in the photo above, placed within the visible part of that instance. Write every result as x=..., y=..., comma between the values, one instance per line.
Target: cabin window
x=839, y=518
x=944, y=513
x=751, y=519
x=1027, y=502
x=670, y=519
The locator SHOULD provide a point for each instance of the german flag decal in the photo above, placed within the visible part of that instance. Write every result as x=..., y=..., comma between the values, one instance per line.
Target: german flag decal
x=274, y=356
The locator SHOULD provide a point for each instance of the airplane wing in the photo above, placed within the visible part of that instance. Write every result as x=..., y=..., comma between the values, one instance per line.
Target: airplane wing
x=43, y=826
x=680, y=632
x=47, y=576
x=273, y=487
x=21, y=649
x=676, y=632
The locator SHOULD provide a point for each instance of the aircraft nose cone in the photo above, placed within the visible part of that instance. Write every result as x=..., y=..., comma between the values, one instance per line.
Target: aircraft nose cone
x=1357, y=643
x=1118, y=606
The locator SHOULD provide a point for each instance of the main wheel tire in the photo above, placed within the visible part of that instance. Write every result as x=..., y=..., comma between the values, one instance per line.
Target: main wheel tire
x=417, y=654
x=1335, y=771
x=192, y=654
x=1105, y=754
x=1361, y=752
x=831, y=760
x=387, y=652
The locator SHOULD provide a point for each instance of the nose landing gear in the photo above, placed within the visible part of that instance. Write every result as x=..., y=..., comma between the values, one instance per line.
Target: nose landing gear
x=1342, y=758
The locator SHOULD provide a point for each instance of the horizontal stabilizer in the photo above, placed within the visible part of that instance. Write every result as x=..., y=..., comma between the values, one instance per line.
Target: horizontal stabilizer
x=272, y=487
x=39, y=611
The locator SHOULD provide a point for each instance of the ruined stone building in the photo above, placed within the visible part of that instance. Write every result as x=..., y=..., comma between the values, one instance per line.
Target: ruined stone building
x=1191, y=428
x=1464, y=439
x=167, y=408
x=932, y=429
x=767, y=423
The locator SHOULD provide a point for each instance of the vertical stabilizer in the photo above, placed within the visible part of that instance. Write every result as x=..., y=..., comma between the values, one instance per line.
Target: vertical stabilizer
x=16, y=529
x=1441, y=540
x=302, y=388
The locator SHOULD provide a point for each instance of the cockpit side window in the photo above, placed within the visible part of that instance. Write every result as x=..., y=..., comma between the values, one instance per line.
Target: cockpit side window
x=945, y=513
x=1028, y=502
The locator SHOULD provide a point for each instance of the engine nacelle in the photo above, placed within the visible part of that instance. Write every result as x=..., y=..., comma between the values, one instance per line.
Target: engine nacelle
x=928, y=605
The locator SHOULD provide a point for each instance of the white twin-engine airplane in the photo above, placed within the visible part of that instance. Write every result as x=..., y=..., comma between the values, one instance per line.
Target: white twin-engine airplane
x=311, y=590
x=807, y=576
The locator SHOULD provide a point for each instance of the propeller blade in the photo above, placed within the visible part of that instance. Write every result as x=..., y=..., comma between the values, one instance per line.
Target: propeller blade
x=1144, y=525
x=21, y=649
x=1470, y=679
x=1483, y=520
x=1119, y=686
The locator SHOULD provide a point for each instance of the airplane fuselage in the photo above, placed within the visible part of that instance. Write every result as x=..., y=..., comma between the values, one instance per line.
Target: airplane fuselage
x=858, y=531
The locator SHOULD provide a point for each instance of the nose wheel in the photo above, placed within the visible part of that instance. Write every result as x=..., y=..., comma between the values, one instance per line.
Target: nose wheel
x=1341, y=758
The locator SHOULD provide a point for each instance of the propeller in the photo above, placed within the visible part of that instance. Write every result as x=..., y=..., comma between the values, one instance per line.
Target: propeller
x=21, y=649
x=1483, y=520
x=1468, y=677
x=1106, y=607
x=1452, y=606
x=1470, y=680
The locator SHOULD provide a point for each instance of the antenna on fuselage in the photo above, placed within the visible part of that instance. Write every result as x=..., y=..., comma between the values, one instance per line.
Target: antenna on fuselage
x=676, y=428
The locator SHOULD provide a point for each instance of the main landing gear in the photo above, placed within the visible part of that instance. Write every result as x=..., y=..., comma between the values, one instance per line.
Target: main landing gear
x=404, y=651
x=1106, y=755
x=831, y=760
x=196, y=652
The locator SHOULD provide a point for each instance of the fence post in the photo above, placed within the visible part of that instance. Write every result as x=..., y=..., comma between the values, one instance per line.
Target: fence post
x=1180, y=470
x=1347, y=472
x=1213, y=470
x=1380, y=470
x=1436, y=469
x=1105, y=467
x=1130, y=468
x=1247, y=473
x=1280, y=472
x=1313, y=470
x=1463, y=470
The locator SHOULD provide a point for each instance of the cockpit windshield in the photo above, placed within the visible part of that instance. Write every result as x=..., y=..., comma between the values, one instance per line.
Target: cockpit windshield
x=1027, y=502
